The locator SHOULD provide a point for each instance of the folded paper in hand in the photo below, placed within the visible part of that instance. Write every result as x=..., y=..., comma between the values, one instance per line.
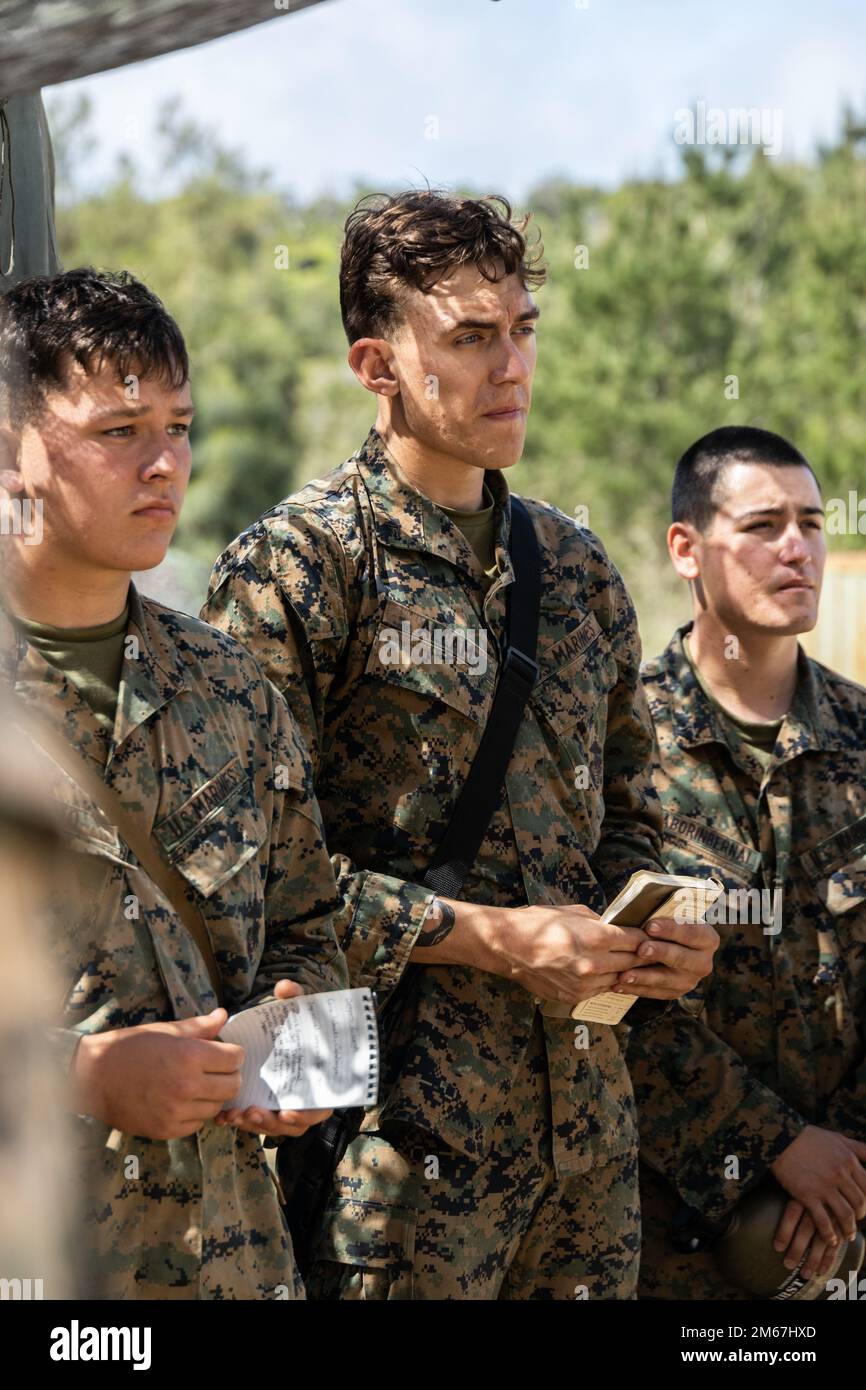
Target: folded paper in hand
x=316, y=1052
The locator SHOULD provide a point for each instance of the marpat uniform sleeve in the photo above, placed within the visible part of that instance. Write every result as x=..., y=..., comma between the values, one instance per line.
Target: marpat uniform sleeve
x=300, y=894
x=845, y=1111
x=290, y=604
x=632, y=826
x=705, y=1123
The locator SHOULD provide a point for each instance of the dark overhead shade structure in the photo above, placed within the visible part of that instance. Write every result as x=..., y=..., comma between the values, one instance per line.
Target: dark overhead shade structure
x=47, y=41
x=43, y=42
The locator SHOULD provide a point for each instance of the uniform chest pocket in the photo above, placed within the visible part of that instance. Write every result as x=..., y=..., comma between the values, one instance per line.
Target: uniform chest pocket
x=846, y=890
x=215, y=832
x=837, y=871
x=450, y=662
x=748, y=912
x=428, y=692
x=571, y=701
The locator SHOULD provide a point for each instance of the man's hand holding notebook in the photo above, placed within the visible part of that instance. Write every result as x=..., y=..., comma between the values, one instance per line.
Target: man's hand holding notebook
x=647, y=897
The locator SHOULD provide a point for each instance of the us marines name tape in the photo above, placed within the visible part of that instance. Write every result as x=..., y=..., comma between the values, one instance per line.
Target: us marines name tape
x=190, y=815
x=579, y=641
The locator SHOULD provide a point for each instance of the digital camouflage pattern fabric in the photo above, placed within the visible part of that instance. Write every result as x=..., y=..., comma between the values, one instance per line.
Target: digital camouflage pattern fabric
x=514, y=1231
x=776, y=1037
x=345, y=593
x=205, y=751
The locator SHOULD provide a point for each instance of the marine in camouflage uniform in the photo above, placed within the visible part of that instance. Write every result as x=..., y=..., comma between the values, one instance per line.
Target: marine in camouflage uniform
x=205, y=752
x=776, y=1039
x=501, y=1159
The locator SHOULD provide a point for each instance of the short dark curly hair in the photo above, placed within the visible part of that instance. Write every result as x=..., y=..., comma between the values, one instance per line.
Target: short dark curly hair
x=412, y=239
x=86, y=316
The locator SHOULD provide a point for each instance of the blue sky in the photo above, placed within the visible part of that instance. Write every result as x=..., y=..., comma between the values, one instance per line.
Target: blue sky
x=521, y=89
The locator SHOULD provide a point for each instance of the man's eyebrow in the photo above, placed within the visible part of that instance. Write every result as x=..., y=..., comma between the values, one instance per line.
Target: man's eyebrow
x=779, y=511
x=131, y=412
x=532, y=313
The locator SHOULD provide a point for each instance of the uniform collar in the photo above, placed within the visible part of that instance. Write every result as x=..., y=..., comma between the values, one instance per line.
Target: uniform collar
x=811, y=724
x=813, y=721
x=695, y=719
x=152, y=671
x=152, y=674
x=406, y=519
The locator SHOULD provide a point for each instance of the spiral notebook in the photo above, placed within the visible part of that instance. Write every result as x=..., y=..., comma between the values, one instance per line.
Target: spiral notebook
x=316, y=1052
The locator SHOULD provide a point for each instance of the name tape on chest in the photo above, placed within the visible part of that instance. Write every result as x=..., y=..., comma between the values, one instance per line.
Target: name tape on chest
x=721, y=846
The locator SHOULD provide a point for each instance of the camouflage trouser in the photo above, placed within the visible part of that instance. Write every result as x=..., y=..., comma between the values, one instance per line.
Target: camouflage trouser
x=415, y=1220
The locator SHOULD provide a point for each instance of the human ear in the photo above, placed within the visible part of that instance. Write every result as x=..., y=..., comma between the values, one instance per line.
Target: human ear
x=11, y=477
x=371, y=359
x=682, y=539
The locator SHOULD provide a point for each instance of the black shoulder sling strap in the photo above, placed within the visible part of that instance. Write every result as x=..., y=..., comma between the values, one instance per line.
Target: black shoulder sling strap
x=306, y=1166
x=518, y=673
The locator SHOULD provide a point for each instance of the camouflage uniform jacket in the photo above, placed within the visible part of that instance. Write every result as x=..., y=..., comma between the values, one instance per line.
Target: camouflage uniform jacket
x=320, y=589
x=206, y=752
x=777, y=1035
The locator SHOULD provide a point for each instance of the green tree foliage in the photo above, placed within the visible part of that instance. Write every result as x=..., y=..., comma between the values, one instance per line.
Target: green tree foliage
x=210, y=250
x=734, y=293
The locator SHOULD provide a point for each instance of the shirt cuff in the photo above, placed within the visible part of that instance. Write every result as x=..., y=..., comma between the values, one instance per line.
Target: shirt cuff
x=387, y=918
x=739, y=1154
x=64, y=1045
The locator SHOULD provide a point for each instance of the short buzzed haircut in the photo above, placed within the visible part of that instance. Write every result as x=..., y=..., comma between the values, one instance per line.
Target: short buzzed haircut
x=696, y=494
x=410, y=240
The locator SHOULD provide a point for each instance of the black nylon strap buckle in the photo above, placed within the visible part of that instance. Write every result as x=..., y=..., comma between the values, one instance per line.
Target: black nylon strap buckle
x=522, y=667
